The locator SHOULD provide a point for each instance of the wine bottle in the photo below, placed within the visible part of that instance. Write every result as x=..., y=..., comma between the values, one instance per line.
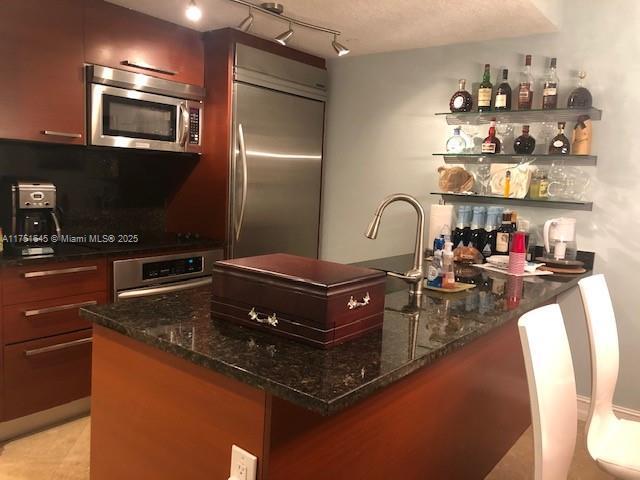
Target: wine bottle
x=458, y=233
x=492, y=143
x=560, y=144
x=503, y=93
x=550, y=87
x=478, y=233
x=525, y=90
x=580, y=97
x=503, y=235
x=491, y=231
x=525, y=144
x=461, y=101
x=485, y=91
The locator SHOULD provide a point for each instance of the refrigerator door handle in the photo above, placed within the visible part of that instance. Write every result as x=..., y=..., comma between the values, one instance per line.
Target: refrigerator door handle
x=243, y=157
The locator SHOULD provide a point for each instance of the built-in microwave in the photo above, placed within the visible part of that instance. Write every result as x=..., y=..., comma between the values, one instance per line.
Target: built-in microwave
x=132, y=110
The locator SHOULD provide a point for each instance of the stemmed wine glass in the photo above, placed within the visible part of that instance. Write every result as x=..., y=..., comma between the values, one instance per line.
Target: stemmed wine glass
x=483, y=173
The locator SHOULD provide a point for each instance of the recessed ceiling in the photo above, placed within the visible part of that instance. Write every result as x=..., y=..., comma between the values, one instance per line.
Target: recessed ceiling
x=373, y=26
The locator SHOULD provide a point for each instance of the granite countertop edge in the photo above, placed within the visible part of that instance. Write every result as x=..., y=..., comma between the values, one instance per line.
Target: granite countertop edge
x=309, y=402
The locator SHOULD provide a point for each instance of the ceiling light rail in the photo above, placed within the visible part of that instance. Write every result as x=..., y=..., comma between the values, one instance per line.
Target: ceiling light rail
x=275, y=10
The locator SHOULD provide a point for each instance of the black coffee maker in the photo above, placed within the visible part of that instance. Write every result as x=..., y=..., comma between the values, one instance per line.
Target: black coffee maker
x=33, y=217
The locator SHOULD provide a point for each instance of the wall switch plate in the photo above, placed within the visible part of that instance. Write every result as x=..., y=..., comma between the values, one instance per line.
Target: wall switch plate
x=244, y=466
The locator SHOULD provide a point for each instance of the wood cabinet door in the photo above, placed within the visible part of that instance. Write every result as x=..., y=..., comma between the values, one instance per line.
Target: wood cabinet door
x=42, y=80
x=44, y=373
x=121, y=38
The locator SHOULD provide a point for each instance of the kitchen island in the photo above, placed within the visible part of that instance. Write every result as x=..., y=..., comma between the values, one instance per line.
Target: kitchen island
x=439, y=392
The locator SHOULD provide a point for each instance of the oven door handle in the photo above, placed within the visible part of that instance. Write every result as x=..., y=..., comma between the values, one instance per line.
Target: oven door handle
x=147, y=291
x=184, y=124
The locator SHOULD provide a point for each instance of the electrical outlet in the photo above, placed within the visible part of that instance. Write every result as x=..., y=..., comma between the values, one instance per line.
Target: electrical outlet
x=244, y=466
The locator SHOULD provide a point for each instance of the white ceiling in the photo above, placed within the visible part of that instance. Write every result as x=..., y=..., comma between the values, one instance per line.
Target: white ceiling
x=372, y=26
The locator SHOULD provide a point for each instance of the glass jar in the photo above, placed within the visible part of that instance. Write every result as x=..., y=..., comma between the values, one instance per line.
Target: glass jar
x=539, y=186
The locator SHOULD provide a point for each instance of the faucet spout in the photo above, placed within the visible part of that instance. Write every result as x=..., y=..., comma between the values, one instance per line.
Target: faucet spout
x=415, y=275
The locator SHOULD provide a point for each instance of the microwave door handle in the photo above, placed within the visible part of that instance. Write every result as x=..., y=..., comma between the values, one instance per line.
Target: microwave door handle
x=243, y=158
x=184, y=119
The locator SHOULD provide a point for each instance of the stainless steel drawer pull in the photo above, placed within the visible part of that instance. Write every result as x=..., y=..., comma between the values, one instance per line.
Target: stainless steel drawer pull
x=353, y=303
x=58, y=346
x=58, y=308
x=268, y=319
x=53, y=133
x=62, y=271
x=146, y=66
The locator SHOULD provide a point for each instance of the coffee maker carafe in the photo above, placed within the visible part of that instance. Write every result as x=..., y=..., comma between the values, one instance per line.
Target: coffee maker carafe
x=560, y=238
x=33, y=217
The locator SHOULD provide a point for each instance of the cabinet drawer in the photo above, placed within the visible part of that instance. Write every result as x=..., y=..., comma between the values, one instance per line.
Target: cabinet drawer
x=53, y=280
x=28, y=321
x=44, y=373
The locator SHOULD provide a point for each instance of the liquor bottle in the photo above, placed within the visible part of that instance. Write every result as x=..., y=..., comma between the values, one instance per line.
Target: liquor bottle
x=466, y=225
x=580, y=97
x=461, y=101
x=478, y=234
x=491, y=229
x=458, y=233
x=582, y=135
x=525, y=90
x=456, y=143
x=503, y=236
x=560, y=144
x=492, y=143
x=485, y=91
x=525, y=144
x=503, y=93
x=550, y=87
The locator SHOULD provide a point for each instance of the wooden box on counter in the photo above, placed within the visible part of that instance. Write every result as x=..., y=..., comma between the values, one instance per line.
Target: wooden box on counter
x=317, y=302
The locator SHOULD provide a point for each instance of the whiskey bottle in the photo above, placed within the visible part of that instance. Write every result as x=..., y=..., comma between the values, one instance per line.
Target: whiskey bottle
x=580, y=97
x=560, y=144
x=525, y=90
x=525, y=144
x=503, y=94
x=550, y=87
x=485, y=91
x=461, y=101
x=492, y=143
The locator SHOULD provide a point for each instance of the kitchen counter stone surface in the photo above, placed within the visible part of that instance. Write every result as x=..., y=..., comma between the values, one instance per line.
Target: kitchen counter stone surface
x=72, y=252
x=327, y=381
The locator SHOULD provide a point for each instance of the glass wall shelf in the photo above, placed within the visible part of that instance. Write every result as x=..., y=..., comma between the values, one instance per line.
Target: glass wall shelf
x=524, y=202
x=521, y=116
x=475, y=158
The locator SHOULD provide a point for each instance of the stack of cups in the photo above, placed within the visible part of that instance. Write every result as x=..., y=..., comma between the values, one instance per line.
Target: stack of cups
x=518, y=254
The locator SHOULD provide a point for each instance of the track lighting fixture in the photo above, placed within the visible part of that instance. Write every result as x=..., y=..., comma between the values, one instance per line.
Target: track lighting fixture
x=284, y=37
x=193, y=12
x=340, y=49
x=245, y=25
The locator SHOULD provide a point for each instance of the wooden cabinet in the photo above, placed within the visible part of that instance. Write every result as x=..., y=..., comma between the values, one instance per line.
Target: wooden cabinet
x=121, y=38
x=43, y=373
x=46, y=345
x=42, y=83
x=53, y=280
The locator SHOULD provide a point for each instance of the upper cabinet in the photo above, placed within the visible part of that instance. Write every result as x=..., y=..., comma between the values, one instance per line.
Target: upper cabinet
x=42, y=84
x=121, y=38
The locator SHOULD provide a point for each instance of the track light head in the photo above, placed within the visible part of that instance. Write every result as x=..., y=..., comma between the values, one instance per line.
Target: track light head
x=340, y=49
x=193, y=12
x=284, y=37
x=245, y=25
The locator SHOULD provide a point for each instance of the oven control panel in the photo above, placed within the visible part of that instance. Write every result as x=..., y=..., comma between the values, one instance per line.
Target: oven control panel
x=194, y=126
x=170, y=268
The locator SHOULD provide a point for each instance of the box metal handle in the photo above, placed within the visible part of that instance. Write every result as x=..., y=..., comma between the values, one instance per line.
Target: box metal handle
x=268, y=319
x=352, y=304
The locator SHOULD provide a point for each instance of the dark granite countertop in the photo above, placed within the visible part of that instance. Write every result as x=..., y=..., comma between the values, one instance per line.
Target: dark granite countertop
x=328, y=381
x=85, y=251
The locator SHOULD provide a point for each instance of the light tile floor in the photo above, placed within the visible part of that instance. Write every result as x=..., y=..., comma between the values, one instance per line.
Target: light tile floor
x=62, y=453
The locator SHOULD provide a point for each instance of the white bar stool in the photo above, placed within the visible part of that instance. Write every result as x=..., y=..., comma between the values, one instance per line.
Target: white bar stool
x=613, y=443
x=552, y=388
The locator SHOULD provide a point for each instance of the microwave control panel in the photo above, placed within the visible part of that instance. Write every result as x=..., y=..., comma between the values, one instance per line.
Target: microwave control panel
x=169, y=268
x=194, y=126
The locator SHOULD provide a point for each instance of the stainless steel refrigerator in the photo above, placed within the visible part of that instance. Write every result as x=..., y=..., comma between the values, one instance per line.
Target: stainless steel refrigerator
x=276, y=157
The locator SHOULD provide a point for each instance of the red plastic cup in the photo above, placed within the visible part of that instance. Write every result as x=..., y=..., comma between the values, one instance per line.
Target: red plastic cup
x=519, y=243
